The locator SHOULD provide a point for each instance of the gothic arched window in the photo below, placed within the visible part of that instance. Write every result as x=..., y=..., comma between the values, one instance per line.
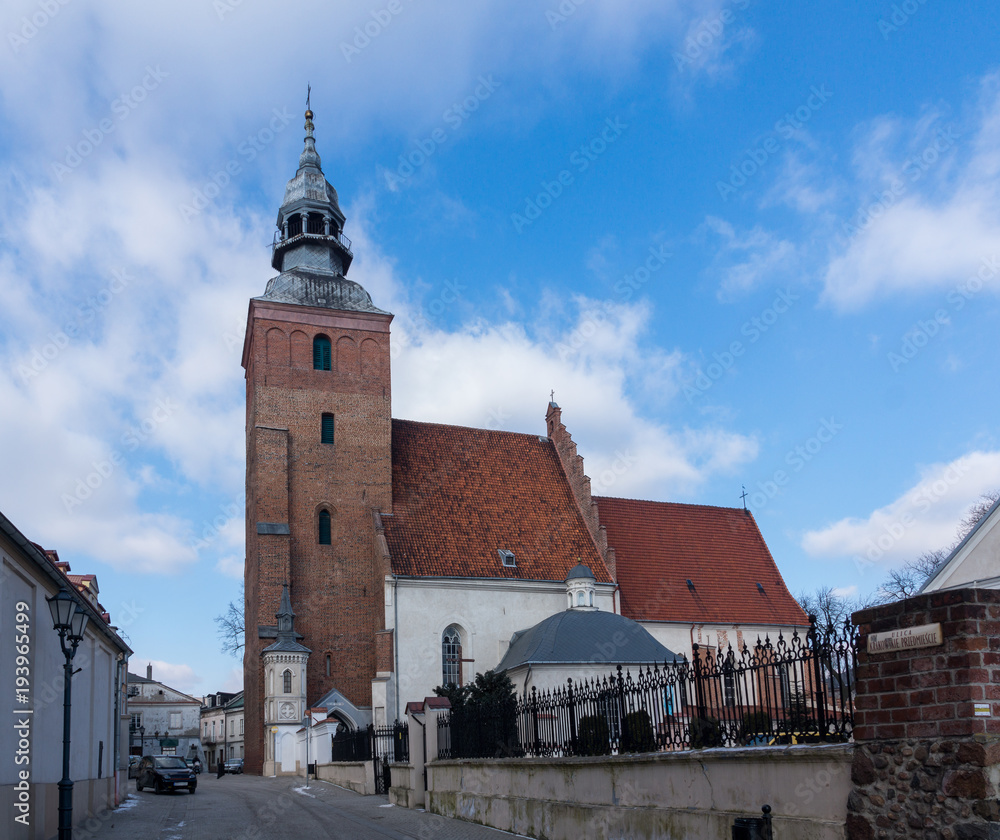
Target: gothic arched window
x=324, y=527
x=321, y=353
x=287, y=677
x=451, y=656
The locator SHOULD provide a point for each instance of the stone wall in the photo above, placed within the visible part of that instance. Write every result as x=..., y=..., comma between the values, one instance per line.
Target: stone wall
x=927, y=765
x=686, y=795
x=358, y=776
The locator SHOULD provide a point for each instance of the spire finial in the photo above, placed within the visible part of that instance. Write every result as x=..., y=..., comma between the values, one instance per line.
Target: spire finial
x=744, y=497
x=309, y=88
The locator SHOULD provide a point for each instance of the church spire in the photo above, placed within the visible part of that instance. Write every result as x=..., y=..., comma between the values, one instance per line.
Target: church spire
x=310, y=222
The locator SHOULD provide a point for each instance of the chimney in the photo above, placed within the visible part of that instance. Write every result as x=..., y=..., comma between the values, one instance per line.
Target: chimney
x=149, y=671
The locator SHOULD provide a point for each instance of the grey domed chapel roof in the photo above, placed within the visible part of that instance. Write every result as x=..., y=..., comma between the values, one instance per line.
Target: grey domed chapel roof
x=584, y=637
x=580, y=571
x=319, y=288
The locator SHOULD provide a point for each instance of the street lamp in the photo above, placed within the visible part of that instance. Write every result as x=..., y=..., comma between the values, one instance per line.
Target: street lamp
x=69, y=621
x=142, y=739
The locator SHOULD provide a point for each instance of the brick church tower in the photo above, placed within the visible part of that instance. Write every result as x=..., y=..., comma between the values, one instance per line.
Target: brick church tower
x=319, y=461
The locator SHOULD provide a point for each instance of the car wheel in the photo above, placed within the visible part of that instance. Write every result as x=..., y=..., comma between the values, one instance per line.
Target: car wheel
x=138, y=785
x=194, y=788
x=158, y=787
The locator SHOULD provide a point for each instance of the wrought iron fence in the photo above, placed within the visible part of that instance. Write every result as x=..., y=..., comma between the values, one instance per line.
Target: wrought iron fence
x=391, y=743
x=798, y=690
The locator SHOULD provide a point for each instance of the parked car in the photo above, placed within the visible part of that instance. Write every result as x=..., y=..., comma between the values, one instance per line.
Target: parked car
x=133, y=766
x=165, y=772
x=234, y=765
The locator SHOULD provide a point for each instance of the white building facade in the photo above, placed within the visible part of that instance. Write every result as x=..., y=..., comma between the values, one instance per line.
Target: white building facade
x=31, y=679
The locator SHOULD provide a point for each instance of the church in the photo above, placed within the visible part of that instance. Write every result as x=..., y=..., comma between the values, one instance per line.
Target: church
x=385, y=557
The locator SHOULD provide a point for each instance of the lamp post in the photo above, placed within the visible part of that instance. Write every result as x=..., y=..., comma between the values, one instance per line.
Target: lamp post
x=142, y=740
x=69, y=621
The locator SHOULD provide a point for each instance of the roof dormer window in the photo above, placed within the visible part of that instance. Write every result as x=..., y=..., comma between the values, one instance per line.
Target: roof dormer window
x=506, y=557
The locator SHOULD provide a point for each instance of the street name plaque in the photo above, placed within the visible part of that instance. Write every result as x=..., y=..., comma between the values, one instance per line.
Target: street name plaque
x=926, y=635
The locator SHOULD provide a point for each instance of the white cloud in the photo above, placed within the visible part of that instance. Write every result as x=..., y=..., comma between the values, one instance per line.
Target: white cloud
x=179, y=676
x=924, y=518
x=747, y=259
x=928, y=213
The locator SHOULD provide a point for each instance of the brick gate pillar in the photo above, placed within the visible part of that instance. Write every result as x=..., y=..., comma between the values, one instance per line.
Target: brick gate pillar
x=927, y=719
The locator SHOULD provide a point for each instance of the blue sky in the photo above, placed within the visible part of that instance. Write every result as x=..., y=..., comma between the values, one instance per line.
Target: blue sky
x=745, y=243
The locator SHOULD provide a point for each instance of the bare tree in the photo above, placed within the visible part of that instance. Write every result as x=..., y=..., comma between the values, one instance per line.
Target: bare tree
x=908, y=578
x=231, y=626
x=978, y=510
x=827, y=606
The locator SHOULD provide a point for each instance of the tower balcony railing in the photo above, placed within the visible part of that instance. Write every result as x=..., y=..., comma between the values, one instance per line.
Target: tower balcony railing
x=278, y=242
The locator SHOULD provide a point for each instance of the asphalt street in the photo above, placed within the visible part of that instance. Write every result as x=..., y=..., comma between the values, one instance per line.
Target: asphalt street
x=254, y=808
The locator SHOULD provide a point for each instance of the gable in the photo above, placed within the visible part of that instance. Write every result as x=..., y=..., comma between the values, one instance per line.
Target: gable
x=461, y=495
x=660, y=546
x=975, y=560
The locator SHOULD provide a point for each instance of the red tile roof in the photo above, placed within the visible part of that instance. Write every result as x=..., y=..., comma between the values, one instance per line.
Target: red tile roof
x=659, y=546
x=460, y=494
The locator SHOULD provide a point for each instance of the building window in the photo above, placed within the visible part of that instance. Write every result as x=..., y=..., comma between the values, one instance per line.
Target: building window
x=321, y=353
x=136, y=721
x=241, y=726
x=326, y=429
x=328, y=663
x=451, y=656
x=206, y=728
x=232, y=728
x=175, y=720
x=287, y=677
x=324, y=527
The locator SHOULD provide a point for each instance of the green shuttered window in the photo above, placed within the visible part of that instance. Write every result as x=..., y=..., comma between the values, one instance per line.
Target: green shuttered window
x=326, y=430
x=324, y=527
x=321, y=353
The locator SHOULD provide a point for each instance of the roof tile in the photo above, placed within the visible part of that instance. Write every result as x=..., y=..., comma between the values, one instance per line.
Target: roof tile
x=461, y=494
x=659, y=546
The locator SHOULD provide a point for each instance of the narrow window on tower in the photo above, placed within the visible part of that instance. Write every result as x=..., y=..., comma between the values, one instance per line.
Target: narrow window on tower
x=328, y=664
x=326, y=431
x=324, y=527
x=321, y=353
x=288, y=681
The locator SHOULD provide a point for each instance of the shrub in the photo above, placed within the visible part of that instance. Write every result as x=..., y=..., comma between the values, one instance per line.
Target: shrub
x=637, y=733
x=705, y=732
x=593, y=736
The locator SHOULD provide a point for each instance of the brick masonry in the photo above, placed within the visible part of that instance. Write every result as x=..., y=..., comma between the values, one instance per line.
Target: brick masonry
x=925, y=766
x=292, y=476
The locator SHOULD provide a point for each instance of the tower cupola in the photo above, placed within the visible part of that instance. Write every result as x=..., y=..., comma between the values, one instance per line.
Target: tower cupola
x=310, y=222
x=580, y=587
